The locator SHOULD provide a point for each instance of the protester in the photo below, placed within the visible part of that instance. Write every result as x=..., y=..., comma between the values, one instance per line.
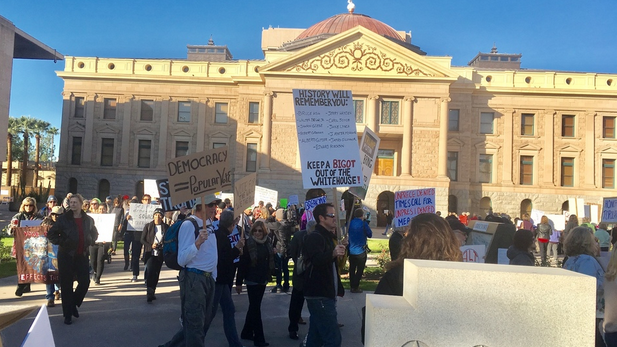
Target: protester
x=118, y=212
x=85, y=206
x=109, y=203
x=520, y=251
x=297, y=294
x=582, y=249
x=98, y=251
x=152, y=240
x=389, y=219
x=358, y=232
x=282, y=231
x=610, y=297
x=131, y=243
x=74, y=232
x=571, y=224
x=53, y=290
x=94, y=205
x=27, y=211
x=603, y=236
x=198, y=257
x=225, y=276
x=255, y=267
x=322, y=280
x=553, y=244
x=395, y=243
x=51, y=202
x=544, y=231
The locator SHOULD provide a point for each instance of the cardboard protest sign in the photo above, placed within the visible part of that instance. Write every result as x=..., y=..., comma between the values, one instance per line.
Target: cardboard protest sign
x=609, y=210
x=327, y=138
x=244, y=194
x=150, y=188
x=140, y=216
x=165, y=197
x=199, y=174
x=309, y=206
x=410, y=203
x=293, y=200
x=40, y=331
x=473, y=253
x=266, y=195
x=368, y=153
x=37, y=258
x=104, y=224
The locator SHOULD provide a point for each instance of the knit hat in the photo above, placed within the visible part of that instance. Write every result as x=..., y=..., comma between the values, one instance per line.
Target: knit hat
x=159, y=211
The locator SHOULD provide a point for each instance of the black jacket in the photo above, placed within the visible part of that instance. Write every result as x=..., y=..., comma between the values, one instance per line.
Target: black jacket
x=282, y=231
x=520, y=257
x=147, y=237
x=64, y=233
x=225, y=267
x=295, y=248
x=319, y=275
x=259, y=269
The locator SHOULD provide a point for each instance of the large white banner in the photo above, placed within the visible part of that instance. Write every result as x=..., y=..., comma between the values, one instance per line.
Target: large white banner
x=151, y=188
x=327, y=137
x=368, y=152
x=104, y=225
x=140, y=216
x=266, y=195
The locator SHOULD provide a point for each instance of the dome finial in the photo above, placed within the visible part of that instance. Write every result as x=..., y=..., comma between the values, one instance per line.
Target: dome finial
x=494, y=49
x=211, y=41
x=350, y=6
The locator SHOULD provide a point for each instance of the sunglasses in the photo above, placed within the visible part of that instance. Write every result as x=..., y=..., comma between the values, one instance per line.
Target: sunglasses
x=28, y=205
x=212, y=204
x=331, y=215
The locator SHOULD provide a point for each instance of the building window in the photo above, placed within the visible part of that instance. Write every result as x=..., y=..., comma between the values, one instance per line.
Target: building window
x=251, y=157
x=220, y=112
x=526, y=170
x=389, y=112
x=145, y=148
x=76, y=151
x=608, y=173
x=109, y=108
x=358, y=106
x=253, y=112
x=453, y=166
x=184, y=111
x=104, y=190
x=608, y=127
x=453, y=116
x=385, y=162
x=216, y=145
x=107, y=152
x=147, y=110
x=567, y=172
x=486, y=168
x=567, y=126
x=182, y=148
x=527, y=124
x=80, y=107
x=486, y=122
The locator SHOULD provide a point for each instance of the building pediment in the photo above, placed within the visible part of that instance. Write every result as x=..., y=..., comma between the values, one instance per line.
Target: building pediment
x=359, y=52
x=529, y=147
x=77, y=127
x=106, y=129
x=608, y=150
x=144, y=131
x=252, y=134
x=181, y=133
x=220, y=135
x=454, y=142
x=487, y=145
x=571, y=149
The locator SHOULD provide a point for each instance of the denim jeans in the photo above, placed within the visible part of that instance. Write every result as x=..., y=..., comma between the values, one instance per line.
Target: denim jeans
x=196, y=298
x=222, y=295
x=282, y=273
x=357, y=263
x=323, y=328
x=610, y=339
x=97, y=259
x=51, y=290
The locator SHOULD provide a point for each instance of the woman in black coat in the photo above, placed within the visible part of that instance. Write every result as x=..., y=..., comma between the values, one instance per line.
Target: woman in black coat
x=73, y=232
x=255, y=268
x=152, y=240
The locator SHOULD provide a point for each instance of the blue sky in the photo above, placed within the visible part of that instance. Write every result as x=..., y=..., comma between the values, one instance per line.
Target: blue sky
x=555, y=35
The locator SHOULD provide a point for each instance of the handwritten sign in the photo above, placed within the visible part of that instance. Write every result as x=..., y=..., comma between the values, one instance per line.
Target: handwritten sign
x=140, y=216
x=473, y=253
x=104, y=225
x=410, y=203
x=199, y=174
x=165, y=197
x=609, y=210
x=244, y=193
x=368, y=153
x=309, y=206
x=293, y=200
x=327, y=137
x=266, y=195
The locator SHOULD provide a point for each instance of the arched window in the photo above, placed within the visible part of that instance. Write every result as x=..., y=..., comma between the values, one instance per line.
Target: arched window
x=73, y=185
x=139, y=189
x=486, y=206
x=104, y=189
x=565, y=206
x=526, y=207
x=385, y=202
x=314, y=193
x=452, y=203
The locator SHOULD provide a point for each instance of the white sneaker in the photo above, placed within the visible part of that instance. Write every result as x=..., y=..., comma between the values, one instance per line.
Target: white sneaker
x=134, y=279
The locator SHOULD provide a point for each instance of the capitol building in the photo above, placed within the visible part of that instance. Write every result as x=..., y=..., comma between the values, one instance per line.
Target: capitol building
x=488, y=135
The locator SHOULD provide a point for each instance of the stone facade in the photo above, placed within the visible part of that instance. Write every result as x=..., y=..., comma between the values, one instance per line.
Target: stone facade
x=425, y=90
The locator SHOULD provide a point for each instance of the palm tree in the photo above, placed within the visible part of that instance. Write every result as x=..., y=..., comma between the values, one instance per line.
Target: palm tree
x=39, y=127
x=52, y=131
x=24, y=125
x=13, y=130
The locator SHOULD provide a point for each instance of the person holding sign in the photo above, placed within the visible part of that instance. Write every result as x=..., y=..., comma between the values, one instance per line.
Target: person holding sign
x=74, y=232
x=152, y=240
x=98, y=251
x=27, y=211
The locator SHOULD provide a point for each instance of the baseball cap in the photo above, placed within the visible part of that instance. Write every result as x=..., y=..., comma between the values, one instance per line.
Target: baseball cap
x=57, y=210
x=52, y=198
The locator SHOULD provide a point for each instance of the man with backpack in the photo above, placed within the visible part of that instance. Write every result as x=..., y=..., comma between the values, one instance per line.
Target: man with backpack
x=283, y=230
x=197, y=255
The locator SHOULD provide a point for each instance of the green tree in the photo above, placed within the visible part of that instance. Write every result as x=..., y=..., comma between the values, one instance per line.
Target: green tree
x=39, y=127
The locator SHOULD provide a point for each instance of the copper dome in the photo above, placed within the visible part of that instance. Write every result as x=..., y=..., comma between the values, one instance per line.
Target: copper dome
x=343, y=22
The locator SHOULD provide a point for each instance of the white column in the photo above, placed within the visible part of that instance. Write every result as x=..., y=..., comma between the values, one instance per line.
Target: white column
x=126, y=132
x=372, y=114
x=164, y=137
x=65, y=136
x=442, y=169
x=201, y=124
x=88, y=131
x=590, y=144
x=549, y=148
x=508, y=138
x=267, y=132
x=407, y=118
